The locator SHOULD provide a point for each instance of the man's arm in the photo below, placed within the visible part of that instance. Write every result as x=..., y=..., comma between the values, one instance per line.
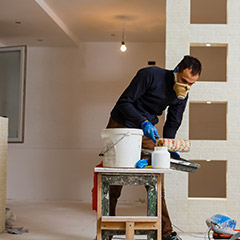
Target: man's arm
x=174, y=118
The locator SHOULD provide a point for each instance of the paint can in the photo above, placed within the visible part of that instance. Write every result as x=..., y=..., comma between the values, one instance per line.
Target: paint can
x=122, y=147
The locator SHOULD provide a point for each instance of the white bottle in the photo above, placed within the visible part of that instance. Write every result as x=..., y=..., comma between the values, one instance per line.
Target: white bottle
x=160, y=157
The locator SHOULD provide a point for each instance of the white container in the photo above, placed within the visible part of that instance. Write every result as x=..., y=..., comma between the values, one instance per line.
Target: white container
x=160, y=158
x=122, y=147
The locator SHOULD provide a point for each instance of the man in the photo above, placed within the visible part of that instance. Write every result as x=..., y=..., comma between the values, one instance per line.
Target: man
x=151, y=91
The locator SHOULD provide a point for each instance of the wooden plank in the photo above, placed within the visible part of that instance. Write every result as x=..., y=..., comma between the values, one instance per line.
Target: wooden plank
x=129, y=219
x=121, y=226
x=145, y=226
x=99, y=205
x=132, y=170
x=159, y=206
x=129, y=230
x=113, y=225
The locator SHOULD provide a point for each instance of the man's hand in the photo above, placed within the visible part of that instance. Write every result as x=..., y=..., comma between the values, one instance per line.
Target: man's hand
x=149, y=130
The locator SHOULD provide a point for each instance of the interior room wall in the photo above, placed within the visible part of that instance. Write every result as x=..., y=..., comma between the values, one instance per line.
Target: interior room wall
x=69, y=95
x=190, y=214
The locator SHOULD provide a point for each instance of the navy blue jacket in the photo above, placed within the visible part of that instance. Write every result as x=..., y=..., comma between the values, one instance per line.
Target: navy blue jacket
x=148, y=95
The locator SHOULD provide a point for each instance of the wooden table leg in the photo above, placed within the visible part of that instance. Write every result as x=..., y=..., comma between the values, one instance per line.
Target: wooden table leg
x=159, y=206
x=129, y=230
x=99, y=205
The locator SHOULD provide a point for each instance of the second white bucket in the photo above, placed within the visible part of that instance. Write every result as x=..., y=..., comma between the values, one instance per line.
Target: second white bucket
x=122, y=147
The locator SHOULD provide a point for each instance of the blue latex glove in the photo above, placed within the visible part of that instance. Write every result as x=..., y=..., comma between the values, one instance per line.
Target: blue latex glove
x=174, y=155
x=149, y=130
x=142, y=163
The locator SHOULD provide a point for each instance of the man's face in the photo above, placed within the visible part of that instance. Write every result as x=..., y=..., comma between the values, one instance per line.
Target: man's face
x=186, y=77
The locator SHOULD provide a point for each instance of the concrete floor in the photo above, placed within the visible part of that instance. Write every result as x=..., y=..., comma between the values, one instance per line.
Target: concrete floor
x=66, y=221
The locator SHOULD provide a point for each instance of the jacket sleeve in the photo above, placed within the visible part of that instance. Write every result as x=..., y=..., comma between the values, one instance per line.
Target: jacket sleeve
x=126, y=103
x=174, y=118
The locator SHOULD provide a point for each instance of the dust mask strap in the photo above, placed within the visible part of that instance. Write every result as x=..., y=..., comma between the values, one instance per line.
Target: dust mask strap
x=175, y=69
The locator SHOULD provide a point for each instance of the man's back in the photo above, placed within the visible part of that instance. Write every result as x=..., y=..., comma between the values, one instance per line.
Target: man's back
x=146, y=97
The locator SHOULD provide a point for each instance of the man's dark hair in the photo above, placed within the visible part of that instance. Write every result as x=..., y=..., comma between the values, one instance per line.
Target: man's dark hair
x=191, y=63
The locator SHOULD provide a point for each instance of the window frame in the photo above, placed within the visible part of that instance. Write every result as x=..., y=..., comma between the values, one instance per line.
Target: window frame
x=22, y=91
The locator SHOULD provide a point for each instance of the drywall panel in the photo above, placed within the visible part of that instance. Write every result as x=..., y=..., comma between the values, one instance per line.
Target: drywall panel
x=3, y=169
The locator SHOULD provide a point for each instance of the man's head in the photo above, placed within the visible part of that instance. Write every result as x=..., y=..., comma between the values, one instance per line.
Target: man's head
x=191, y=63
x=188, y=71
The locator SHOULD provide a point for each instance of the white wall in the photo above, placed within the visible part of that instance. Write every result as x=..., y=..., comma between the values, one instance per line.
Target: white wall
x=69, y=95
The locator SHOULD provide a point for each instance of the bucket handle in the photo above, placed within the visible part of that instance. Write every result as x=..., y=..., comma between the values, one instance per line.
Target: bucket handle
x=101, y=154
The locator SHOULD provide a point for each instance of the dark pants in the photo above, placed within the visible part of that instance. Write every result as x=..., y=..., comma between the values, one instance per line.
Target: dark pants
x=115, y=190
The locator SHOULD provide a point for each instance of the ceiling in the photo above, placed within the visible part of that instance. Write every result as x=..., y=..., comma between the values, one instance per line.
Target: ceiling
x=67, y=23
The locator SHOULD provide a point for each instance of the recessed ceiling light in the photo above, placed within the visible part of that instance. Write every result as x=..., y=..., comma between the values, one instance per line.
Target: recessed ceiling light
x=208, y=160
x=208, y=44
x=18, y=22
x=40, y=40
x=113, y=35
x=209, y=102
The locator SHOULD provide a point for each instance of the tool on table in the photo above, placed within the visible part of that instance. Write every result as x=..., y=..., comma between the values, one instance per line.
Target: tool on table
x=177, y=145
x=176, y=162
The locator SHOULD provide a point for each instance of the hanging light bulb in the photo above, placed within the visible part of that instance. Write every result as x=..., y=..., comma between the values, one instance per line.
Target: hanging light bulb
x=123, y=47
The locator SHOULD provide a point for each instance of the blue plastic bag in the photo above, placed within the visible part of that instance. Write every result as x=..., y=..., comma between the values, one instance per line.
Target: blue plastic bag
x=223, y=222
x=142, y=163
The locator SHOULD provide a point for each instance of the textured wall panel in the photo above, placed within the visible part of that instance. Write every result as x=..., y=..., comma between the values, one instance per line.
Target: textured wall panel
x=190, y=214
x=3, y=169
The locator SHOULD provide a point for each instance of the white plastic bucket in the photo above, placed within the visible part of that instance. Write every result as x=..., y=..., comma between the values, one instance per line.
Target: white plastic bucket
x=122, y=147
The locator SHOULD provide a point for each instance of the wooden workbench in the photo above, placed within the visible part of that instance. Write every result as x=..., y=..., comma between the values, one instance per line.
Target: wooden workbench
x=149, y=225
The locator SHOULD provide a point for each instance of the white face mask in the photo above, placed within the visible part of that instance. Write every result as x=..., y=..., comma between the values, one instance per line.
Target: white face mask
x=181, y=90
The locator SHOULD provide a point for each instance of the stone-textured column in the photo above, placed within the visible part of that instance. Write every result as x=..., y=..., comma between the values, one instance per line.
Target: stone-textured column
x=3, y=169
